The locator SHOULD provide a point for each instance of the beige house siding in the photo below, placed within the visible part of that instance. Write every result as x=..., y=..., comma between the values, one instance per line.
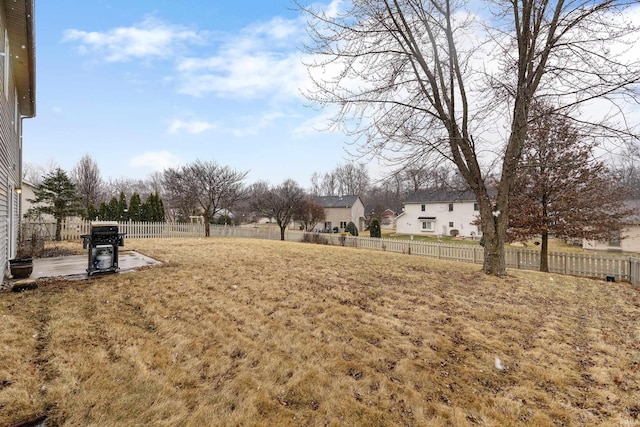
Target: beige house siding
x=630, y=242
x=340, y=216
x=17, y=101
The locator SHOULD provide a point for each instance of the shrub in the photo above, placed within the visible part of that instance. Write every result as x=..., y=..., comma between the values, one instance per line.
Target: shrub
x=315, y=238
x=454, y=233
x=351, y=228
x=374, y=228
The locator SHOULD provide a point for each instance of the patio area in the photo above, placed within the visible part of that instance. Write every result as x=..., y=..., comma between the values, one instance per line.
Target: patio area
x=74, y=267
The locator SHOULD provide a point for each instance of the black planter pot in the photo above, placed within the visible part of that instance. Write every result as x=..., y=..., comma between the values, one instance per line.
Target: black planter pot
x=21, y=268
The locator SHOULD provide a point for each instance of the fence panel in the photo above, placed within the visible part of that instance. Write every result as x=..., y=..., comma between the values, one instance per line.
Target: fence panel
x=634, y=270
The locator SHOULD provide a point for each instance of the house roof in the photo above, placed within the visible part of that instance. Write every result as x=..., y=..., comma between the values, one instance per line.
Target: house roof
x=371, y=209
x=442, y=196
x=337, y=201
x=634, y=205
x=20, y=29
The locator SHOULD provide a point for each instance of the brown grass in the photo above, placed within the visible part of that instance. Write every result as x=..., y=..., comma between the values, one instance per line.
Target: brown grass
x=249, y=332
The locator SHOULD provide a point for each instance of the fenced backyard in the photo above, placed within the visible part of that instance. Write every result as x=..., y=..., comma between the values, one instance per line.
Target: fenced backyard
x=596, y=265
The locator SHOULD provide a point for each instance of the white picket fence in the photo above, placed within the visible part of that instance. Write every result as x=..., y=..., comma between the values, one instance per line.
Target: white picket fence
x=597, y=265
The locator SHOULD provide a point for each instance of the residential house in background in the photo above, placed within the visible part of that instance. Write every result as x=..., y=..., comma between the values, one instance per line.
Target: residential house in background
x=386, y=216
x=17, y=101
x=628, y=240
x=438, y=212
x=340, y=210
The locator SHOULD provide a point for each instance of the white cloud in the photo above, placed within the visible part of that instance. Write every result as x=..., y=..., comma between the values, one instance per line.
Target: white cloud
x=261, y=61
x=254, y=126
x=151, y=38
x=155, y=160
x=319, y=123
x=192, y=126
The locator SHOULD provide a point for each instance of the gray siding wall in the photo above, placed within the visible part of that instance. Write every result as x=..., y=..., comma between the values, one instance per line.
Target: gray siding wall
x=9, y=154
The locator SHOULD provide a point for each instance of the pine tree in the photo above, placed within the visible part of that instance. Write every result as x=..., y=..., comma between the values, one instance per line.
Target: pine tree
x=92, y=213
x=113, y=210
x=103, y=212
x=57, y=196
x=135, y=208
x=123, y=211
x=351, y=228
x=374, y=228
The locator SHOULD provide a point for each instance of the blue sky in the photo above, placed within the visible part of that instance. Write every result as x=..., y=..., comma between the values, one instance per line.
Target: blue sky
x=142, y=85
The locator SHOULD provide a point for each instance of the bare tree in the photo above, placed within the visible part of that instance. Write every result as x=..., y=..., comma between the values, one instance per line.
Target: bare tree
x=207, y=186
x=625, y=166
x=423, y=78
x=347, y=179
x=309, y=214
x=86, y=177
x=279, y=203
x=353, y=178
x=179, y=195
x=35, y=173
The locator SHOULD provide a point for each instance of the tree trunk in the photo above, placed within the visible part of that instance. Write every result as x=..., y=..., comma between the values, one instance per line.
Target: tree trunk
x=544, y=253
x=494, y=246
x=282, y=229
x=207, y=224
x=58, y=229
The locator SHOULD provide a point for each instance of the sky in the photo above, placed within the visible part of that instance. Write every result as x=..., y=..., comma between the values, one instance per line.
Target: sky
x=148, y=84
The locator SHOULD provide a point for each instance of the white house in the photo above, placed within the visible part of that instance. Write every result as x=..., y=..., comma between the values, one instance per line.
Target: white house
x=438, y=212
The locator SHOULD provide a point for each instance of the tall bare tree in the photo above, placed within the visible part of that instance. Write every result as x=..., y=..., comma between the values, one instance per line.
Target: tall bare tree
x=346, y=179
x=280, y=202
x=212, y=187
x=431, y=78
x=86, y=177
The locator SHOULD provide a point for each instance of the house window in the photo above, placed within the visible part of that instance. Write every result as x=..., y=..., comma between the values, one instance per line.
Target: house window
x=614, y=240
x=423, y=208
x=475, y=207
x=427, y=225
x=343, y=224
x=450, y=223
x=450, y=207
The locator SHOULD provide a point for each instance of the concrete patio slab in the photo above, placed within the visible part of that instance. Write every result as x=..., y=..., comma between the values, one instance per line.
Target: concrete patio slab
x=75, y=266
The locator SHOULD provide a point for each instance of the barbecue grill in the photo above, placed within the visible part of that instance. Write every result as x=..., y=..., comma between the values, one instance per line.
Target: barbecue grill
x=103, y=243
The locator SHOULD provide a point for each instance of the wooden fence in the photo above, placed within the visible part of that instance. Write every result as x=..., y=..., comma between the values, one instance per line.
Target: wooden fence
x=597, y=265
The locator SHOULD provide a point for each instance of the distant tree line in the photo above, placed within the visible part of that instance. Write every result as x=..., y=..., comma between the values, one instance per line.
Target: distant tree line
x=563, y=191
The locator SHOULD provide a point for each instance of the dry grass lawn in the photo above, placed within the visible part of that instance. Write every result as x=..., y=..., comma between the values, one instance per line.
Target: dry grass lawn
x=250, y=332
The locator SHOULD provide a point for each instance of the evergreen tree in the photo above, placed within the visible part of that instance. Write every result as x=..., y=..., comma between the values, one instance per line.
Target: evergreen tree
x=156, y=208
x=374, y=228
x=147, y=210
x=57, y=196
x=123, y=211
x=160, y=209
x=135, y=208
x=103, y=212
x=351, y=229
x=92, y=213
x=113, y=210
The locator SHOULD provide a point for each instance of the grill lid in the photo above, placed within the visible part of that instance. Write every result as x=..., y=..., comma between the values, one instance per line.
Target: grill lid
x=104, y=227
